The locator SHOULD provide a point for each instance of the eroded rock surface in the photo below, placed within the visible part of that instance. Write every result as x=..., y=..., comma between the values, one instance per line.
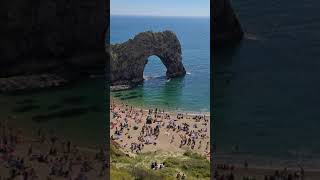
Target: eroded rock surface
x=226, y=27
x=128, y=59
x=52, y=37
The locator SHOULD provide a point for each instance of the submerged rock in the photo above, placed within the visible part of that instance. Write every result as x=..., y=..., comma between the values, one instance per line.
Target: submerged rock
x=26, y=108
x=20, y=83
x=73, y=100
x=128, y=60
x=65, y=113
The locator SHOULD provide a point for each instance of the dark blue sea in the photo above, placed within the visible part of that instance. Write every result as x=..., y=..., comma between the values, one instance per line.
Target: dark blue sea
x=267, y=89
x=190, y=93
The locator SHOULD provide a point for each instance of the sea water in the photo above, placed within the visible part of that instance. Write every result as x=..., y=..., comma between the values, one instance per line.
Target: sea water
x=267, y=101
x=188, y=93
x=66, y=111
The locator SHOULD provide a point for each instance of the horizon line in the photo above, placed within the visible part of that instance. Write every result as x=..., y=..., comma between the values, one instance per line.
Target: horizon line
x=147, y=15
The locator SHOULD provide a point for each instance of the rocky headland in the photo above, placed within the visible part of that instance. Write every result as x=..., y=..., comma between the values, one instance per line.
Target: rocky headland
x=226, y=27
x=59, y=40
x=66, y=40
x=128, y=59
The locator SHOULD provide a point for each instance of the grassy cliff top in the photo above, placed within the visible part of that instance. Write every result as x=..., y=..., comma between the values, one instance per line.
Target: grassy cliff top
x=124, y=167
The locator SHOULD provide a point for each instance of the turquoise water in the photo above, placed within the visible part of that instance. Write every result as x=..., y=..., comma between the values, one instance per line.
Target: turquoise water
x=64, y=111
x=189, y=93
x=267, y=91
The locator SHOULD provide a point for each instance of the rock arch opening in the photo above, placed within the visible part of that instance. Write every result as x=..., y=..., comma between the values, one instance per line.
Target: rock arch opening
x=154, y=68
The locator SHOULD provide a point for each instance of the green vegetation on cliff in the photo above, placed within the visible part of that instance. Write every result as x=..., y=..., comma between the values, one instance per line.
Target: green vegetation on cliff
x=123, y=167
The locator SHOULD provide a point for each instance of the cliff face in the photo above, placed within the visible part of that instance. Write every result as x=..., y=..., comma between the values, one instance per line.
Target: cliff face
x=129, y=58
x=226, y=27
x=47, y=36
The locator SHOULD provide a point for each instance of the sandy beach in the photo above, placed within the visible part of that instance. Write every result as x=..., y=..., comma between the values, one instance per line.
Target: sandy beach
x=47, y=157
x=234, y=172
x=230, y=167
x=139, y=130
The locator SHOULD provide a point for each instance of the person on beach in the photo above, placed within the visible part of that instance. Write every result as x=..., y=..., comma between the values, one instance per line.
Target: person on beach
x=246, y=165
x=207, y=146
x=172, y=139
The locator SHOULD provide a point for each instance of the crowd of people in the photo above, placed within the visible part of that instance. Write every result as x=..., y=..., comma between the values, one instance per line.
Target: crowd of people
x=135, y=129
x=44, y=156
x=180, y=176
x=156, y=166
x=226, y=172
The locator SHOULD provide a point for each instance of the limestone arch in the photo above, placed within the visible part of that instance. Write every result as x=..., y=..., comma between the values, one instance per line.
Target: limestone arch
x=128, y=59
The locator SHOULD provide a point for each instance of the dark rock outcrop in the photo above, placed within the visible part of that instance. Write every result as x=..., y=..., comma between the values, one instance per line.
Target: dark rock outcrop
x=52, y=37
x=19, y=83
x=128, y=59
x=226, y=27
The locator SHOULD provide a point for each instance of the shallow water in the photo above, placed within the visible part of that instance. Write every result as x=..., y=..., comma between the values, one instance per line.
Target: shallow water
x=65, y=111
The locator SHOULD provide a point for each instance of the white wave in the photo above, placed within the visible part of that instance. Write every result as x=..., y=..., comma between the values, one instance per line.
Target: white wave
x=252, y=37
x=188, y=73
x=152, y=77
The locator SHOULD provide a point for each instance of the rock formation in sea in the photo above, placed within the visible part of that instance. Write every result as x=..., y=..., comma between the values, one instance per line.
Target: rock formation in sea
x=58, y=39
x=226, y=27
x=128, y=59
